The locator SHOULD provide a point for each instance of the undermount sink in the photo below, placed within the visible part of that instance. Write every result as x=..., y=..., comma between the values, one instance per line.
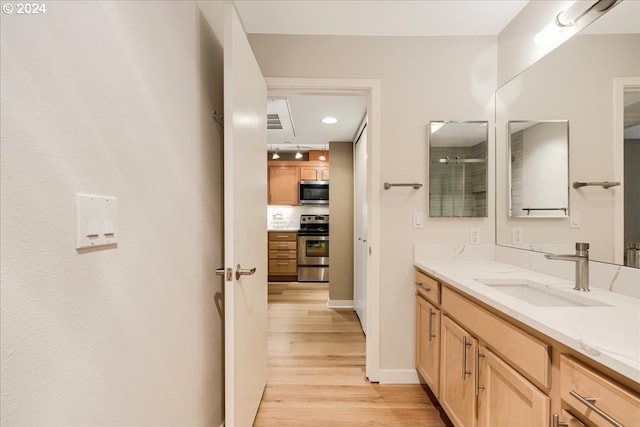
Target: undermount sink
x=538, y=294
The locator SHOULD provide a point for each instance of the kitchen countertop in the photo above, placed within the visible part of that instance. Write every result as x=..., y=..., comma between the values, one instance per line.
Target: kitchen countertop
x=281, y=229
x=607, y=334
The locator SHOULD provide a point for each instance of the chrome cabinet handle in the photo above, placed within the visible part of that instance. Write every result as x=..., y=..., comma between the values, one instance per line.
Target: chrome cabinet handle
x=244, y=271
x=465, y=344
x=557, y=423
x=431, y=314
x=589, y=402
x=477, y=373
x=423, y=286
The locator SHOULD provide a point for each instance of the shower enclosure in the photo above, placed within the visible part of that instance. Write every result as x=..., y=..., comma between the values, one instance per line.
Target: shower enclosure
x=458, y=169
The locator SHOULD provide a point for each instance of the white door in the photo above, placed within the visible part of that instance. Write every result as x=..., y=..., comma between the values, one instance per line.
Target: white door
x=361, y=245
x=245, y=234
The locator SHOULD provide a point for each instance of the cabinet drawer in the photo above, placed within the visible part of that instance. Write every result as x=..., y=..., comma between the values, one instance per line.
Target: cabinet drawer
x=621, y=405
x=282, y=246
x=290, y=236
x=529, y=355
x=283, y=266
x=428, y=287
x=282, y=254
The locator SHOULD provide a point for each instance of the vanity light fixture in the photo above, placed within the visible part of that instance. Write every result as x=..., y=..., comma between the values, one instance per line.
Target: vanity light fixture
x=298, y=153
x=579, y=8
x=329, y=120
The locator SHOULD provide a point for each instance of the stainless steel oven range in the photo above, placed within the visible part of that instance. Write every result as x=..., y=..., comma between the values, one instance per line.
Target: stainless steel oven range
x=313, y=248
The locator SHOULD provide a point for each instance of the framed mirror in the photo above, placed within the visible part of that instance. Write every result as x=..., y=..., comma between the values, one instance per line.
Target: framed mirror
x=583, y=81
x=539, y=169
x=458, y=169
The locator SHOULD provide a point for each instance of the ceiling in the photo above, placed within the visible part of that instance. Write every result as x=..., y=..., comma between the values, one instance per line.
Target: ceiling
x=359, y=18
x=378, y=17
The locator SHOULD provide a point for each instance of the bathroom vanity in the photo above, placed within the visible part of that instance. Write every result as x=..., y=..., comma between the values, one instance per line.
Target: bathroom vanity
x=501, y=345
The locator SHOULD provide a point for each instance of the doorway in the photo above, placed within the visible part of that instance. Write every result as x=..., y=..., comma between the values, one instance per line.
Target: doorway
x=371, y=89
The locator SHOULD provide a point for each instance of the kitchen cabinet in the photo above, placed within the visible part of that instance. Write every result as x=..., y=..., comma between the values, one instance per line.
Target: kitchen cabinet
x=457, y=387
x=314, y=173
x=283, y=250
x=427, y=341
x=283, y=185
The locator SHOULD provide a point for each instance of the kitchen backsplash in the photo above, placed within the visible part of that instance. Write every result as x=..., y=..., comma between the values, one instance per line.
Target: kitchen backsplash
x=289, y=216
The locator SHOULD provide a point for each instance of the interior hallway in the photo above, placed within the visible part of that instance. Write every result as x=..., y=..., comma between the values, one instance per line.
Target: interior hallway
x=317, y=369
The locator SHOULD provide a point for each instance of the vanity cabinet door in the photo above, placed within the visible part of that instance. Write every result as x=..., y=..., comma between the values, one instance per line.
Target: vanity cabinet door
x=457, y=385
x=428, y=342
x=506, y=398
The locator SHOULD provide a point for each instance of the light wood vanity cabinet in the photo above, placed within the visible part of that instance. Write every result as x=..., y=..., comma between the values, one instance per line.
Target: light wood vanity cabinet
x=457, y=374
x=594, y=397
x=506, y=398
x=428, y=342
x=494, y=372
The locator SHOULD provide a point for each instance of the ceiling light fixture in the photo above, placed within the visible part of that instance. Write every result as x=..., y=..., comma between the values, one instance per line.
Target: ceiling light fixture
x=322, y=158
x=298, y=153
x=275, y=156
x=329, y=120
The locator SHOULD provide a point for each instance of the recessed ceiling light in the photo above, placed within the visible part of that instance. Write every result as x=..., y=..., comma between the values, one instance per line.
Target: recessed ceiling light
x=329, y=120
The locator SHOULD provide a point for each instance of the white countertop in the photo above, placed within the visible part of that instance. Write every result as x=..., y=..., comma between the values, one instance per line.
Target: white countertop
x=282, y=229
x=608, y=334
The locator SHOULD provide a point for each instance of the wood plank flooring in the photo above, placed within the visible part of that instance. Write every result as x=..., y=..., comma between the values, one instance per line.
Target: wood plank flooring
x=316, y=369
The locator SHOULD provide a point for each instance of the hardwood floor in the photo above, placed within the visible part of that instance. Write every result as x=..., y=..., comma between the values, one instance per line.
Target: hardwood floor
x=316, y=369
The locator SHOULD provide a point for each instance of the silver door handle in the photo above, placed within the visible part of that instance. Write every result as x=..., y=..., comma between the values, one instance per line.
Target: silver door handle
x=225, y=272
x=244, y=271
x=589, y=402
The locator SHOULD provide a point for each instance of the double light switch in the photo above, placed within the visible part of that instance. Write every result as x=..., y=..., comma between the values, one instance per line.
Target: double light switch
x=96, y=221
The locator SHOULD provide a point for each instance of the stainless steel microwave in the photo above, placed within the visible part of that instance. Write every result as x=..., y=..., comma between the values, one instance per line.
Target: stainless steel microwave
x=314, y=193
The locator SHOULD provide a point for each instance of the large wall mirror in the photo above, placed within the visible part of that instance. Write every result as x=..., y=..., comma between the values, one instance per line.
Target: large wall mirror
x=458, y=169
x=539, y=169
x=591, y=84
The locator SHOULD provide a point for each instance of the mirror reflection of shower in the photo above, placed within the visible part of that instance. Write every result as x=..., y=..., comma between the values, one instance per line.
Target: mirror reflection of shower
x=458, y=169
x=631, y=176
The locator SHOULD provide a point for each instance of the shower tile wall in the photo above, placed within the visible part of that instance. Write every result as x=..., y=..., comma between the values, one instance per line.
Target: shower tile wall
x=517, y=169
x=446, y=186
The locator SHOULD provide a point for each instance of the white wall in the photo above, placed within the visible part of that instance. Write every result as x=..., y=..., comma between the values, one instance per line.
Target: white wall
x=104, y=98
x=545, y=149
x=422, y=79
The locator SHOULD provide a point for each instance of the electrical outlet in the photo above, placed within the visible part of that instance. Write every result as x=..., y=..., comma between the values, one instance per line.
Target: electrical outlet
x=474, y=236
x=516, y=236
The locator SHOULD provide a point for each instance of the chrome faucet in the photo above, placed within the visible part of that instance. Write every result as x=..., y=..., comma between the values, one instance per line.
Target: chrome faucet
x=581, y=258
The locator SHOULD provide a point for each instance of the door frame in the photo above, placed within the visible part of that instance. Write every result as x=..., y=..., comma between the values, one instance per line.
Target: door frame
x=619, y=86
x=371, y=89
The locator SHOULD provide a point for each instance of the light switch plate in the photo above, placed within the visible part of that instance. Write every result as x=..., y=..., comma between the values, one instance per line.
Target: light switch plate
x=418, y=219
x=96, y=221
x=574, y=219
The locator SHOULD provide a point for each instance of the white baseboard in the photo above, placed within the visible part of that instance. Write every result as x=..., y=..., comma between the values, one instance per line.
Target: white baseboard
x=404, y=376
x=339, y=303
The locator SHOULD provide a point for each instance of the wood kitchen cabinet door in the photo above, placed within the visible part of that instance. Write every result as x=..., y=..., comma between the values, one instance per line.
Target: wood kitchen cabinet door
x=428, y=343
x=283, y=185
x=506, y=398
x=457, y=386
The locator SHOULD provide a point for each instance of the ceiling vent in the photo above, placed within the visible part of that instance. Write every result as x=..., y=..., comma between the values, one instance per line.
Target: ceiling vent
x=273, y=121
x=279, y=117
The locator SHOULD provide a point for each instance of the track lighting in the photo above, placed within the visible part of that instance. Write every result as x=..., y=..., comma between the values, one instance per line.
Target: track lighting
x=275, y=156
x=298, y=153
